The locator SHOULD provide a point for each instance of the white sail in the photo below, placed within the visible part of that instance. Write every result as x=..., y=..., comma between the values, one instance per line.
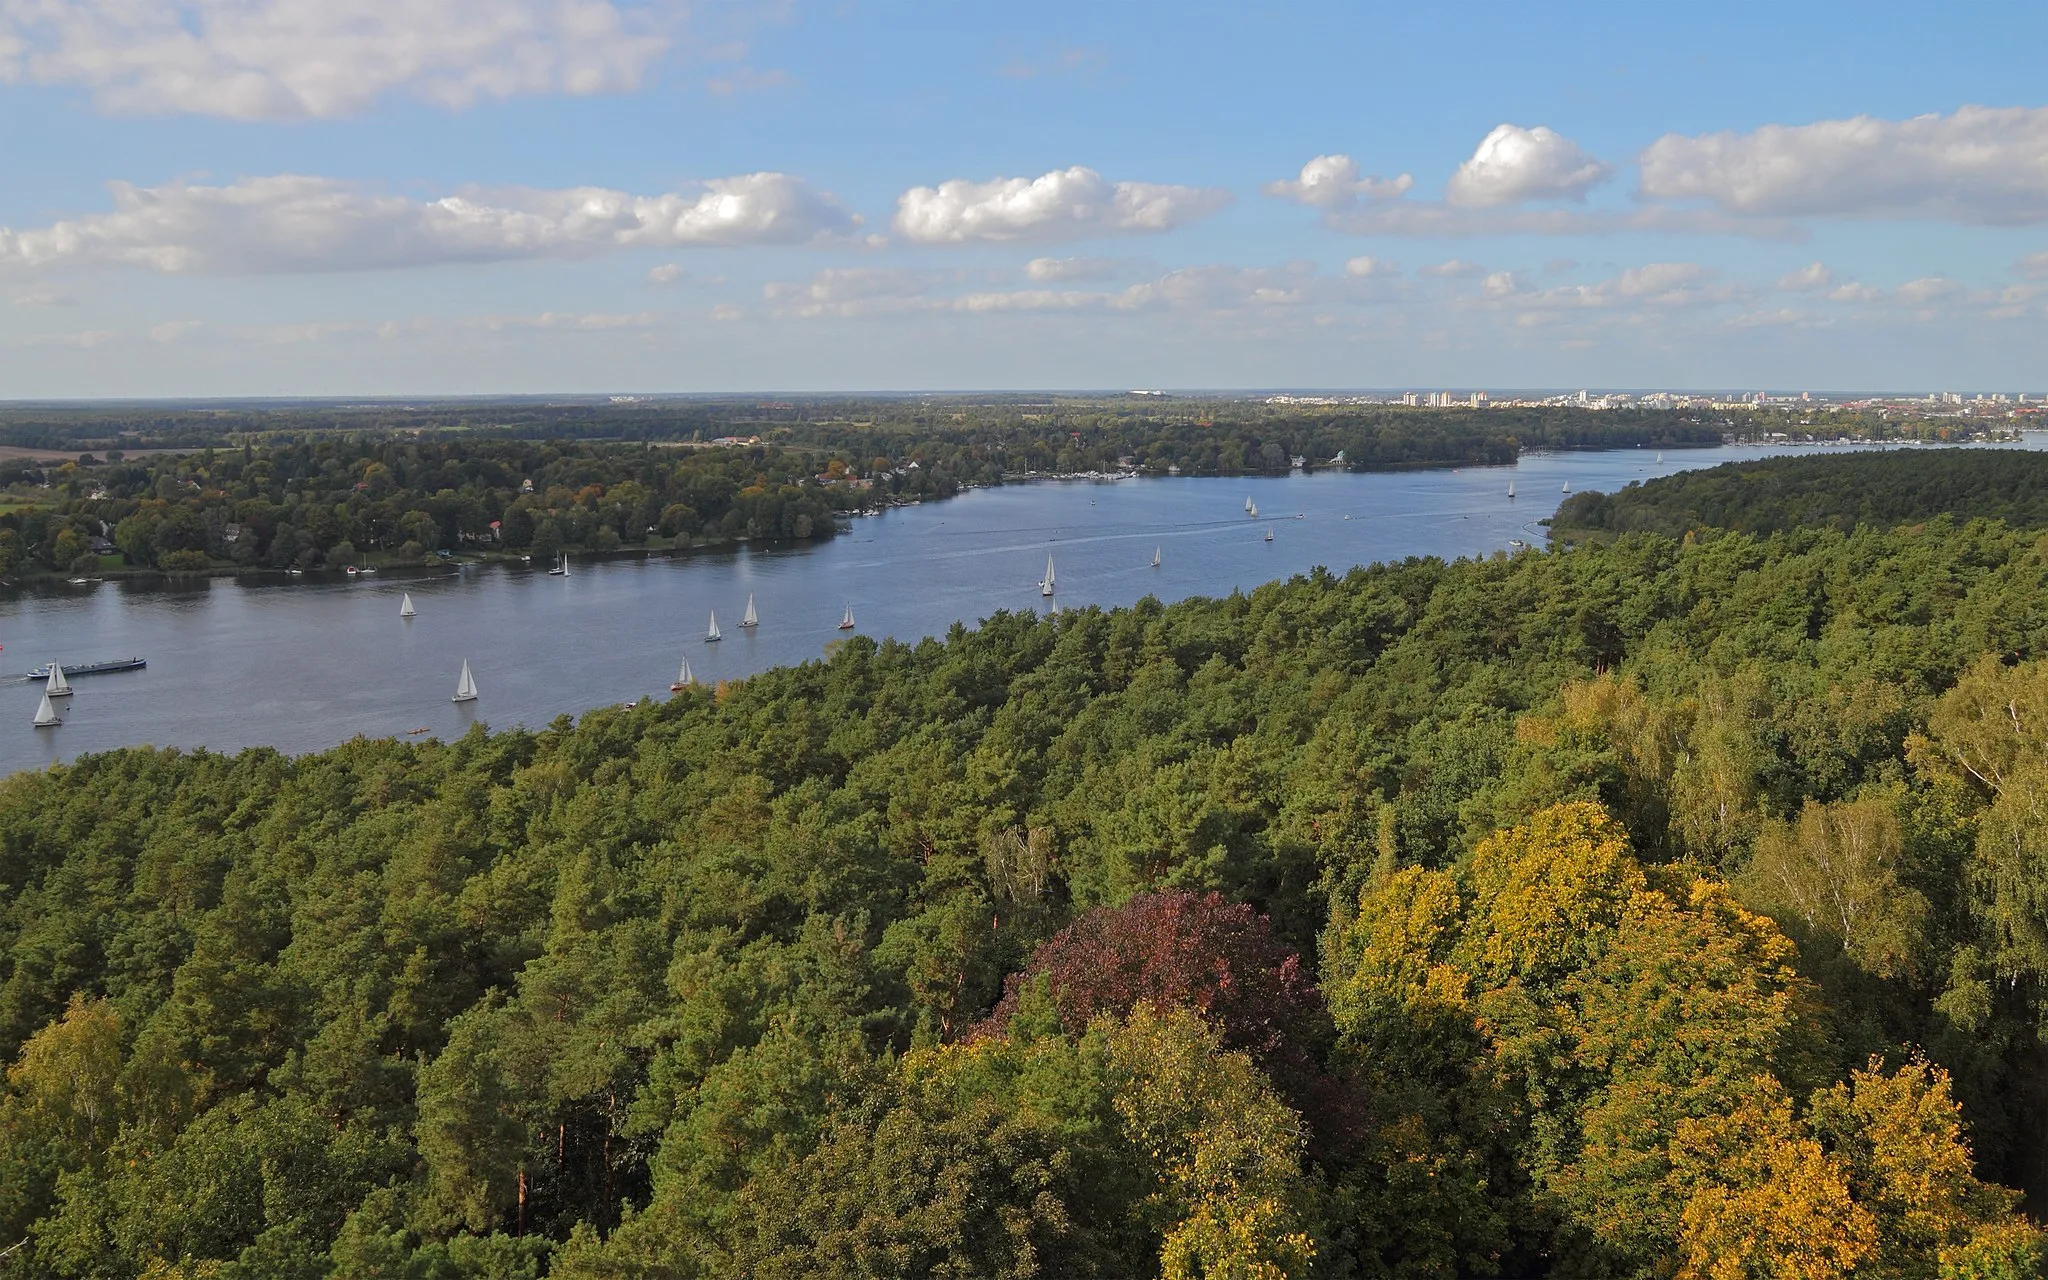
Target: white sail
x=57, y=686
x=565, y=564
x=1155, y=557
x=1269, y=535
x=1248, y=503
x=846, y=623
x=751, y=620
x=1255, y=511
x=1511, y=488
x=46, y=715
x=1045, y=588
x=465, y=688
x=1660, y=457
x=713, y=633
x=1567, y=487
x=405, y=609
x=683, y=678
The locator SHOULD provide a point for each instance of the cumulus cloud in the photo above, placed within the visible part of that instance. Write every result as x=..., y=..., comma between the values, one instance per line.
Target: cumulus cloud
x=1367, y=267
x=666, y=273
x=1064, y=204
x=268, y=59
x=1655, y=286
x=294, y=223
x=1513, y=164
x=1333, y=182
x=1985, y=165
x=1052, y=270
x=1808, y=279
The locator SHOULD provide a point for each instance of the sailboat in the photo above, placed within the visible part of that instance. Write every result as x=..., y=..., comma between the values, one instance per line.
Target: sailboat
x=465, y=688
x=712, y=635
x=846, y=623
x=1155, y=557
x=1511, y=488
x=1269, y=535
x=683, y=678
x=1254, y=511
x=405, y=609
x=1660, y=457
x=46, y=715
x=1567, y=487
x=752, y=619
x=1248, y=507
x=561, y=568
x=57, y=686
x=1045, y=587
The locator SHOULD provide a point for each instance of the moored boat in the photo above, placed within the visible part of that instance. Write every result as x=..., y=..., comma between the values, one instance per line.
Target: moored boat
x=72, y=670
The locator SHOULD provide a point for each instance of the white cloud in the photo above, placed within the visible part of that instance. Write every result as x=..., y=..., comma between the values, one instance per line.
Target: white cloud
x=44, y=298
x=1927, y=289
x=1854, y=293
x=2034, y=265
x=1455, y=268
x=173, y=330
x=1052, y=270
x=1333, y=182
x=294, y=223
x=266, y=59
x=1064, y=204
x=852, y=292
x=1808, y=279
x=1986, y=165
x=1513, y=164
x=725, y=313
x=1657, y=286
x=1366, y=267
x=1429, y=219
x=666, y=273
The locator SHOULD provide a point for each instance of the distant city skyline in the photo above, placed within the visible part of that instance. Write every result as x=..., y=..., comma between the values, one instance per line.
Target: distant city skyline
x=282, y=198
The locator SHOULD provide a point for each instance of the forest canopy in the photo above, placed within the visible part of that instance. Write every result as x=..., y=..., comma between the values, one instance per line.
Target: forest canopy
x=1835, y=491
x=1649, y=909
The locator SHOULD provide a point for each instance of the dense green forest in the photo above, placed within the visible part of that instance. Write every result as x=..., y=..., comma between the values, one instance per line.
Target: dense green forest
x=1021, y=424
x=1663, y=908
x=1836, y=491
x=341, y=500
x=328, y=499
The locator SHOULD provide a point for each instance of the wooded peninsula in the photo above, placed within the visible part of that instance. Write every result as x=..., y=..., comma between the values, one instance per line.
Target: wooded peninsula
x=1662, y=907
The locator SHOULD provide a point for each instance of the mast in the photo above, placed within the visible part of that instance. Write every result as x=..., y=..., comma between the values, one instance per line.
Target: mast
x=46, y=715
x=57, y=686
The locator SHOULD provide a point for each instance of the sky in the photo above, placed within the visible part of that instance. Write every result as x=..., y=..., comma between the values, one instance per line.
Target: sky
x=474, y=197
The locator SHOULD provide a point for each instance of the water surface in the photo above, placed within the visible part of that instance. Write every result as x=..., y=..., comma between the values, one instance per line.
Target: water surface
x=302, y=664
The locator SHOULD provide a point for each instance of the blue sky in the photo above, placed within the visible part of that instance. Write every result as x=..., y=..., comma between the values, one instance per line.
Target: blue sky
x=342, y=197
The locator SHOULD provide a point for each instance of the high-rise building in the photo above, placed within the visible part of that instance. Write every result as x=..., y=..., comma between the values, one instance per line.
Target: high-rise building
x=1410, y=399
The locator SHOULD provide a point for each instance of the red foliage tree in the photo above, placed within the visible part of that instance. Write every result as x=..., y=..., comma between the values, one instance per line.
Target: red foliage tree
x=1203, y=952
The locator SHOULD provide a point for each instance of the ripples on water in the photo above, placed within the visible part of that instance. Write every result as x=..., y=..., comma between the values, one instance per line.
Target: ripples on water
x=302, y=664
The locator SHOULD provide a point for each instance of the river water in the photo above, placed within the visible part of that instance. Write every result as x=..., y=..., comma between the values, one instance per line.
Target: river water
x=306, y=663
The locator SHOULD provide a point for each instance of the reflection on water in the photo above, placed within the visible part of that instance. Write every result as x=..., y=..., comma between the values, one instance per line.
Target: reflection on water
x=302, y=664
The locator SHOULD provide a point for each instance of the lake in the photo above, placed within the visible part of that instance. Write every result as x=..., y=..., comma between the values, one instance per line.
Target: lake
x=306, y=663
